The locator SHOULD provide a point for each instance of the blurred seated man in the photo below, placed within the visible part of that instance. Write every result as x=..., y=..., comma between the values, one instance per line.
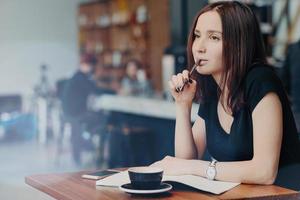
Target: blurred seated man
x=135, y=82
x=75, y=100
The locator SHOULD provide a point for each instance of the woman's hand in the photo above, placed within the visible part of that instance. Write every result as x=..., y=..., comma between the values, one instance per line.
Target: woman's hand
x=185, y=96
x=172, y=165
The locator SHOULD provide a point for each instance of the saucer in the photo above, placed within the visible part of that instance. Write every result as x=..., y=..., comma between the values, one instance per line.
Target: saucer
x=164, y=187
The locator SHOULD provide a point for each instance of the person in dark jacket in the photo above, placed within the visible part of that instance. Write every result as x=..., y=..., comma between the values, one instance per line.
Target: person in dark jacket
x=75, y=104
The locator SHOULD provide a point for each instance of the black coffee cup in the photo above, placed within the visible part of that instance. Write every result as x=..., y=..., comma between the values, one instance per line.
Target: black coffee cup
x=145, y=178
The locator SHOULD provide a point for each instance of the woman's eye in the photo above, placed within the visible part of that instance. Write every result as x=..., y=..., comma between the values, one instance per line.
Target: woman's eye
x=215, y=38
x=197, y=36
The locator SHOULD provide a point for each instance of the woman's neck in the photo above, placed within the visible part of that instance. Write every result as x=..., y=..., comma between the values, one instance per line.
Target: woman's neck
x=224, y=93
x=217, y=78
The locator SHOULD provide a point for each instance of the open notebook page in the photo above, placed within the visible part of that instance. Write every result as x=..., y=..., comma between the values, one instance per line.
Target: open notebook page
x=198, y=182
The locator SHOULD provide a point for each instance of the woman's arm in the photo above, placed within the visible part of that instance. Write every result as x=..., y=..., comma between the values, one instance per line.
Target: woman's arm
x=185, y=137
x=189, y=143
x=199, y=136
x=262, y=169
x=267, y=137
x=184, y=144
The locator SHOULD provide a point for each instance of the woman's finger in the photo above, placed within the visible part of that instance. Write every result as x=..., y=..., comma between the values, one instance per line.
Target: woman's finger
x=185, y=75
x=192, y=82
x=174, y=80
x=180, y=80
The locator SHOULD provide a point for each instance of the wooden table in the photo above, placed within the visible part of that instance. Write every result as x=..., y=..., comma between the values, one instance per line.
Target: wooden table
x=71, y=186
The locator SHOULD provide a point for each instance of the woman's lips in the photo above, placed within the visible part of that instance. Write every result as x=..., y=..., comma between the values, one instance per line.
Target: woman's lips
x=202, y=62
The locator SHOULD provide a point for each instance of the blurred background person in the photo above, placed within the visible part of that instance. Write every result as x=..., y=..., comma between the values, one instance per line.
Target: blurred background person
x=103, y=81
x=291, y=78
x=75, y=105
x=135, y=82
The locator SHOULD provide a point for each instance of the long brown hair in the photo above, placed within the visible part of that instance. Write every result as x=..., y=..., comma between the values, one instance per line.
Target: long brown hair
x=242, y=48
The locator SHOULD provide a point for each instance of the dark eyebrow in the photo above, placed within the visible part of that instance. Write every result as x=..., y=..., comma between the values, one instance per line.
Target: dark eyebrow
x=214, y=31
x=209, y=31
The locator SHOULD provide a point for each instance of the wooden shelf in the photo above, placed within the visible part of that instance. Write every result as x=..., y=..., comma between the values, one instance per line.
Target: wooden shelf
x=119, y=30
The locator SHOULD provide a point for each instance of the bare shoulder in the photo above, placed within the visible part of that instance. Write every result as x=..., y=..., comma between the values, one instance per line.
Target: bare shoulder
x=269, y=103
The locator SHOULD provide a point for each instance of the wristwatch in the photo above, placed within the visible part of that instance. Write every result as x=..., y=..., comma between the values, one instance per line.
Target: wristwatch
x=211, y=171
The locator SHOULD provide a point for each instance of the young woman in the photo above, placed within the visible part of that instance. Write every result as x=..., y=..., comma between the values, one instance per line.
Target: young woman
x=133, y=85
x=245, y=120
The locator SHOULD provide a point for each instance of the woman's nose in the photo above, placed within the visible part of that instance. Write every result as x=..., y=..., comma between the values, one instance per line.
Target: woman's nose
x=202, y=50
x=200, y=46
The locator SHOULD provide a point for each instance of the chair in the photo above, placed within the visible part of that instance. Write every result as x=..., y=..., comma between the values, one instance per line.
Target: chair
x=131, y=144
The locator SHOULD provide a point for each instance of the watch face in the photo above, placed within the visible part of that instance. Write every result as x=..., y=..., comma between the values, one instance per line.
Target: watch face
x=211, y=173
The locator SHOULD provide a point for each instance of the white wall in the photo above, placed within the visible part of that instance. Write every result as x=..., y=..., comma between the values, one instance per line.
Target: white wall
x=33, y=32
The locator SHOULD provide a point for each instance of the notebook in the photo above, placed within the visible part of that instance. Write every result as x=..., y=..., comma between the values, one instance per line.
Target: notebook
x=198, y=182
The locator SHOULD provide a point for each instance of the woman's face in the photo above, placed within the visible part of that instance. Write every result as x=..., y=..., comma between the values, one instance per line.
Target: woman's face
x=131, y=70
x=208, y=45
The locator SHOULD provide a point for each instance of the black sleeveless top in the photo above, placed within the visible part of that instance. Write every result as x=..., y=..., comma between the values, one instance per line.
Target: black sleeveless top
x=238, y=145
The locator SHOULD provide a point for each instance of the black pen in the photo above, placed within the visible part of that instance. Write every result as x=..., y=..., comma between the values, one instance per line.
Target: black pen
x=179, y=89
